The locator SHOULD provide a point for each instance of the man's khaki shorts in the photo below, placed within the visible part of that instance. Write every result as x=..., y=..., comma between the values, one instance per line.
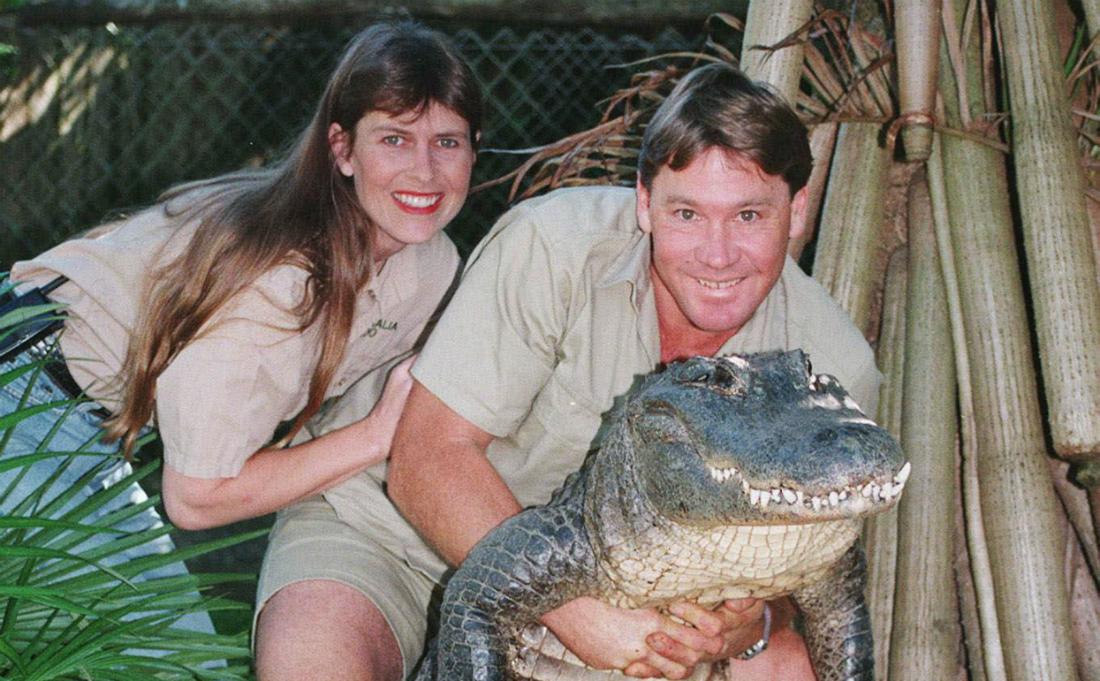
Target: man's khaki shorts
x=309, y=542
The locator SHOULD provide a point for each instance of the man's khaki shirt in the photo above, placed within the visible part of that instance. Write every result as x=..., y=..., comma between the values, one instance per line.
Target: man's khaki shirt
x=553, y=320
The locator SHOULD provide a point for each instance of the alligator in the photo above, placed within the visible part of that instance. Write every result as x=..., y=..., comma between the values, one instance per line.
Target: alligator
x=731, y=477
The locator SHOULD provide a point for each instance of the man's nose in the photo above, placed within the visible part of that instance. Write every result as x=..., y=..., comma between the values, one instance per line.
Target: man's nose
x=717, y=249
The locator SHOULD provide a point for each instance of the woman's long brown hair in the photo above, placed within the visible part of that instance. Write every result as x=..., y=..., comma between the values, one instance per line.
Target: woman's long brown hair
x=301, y=211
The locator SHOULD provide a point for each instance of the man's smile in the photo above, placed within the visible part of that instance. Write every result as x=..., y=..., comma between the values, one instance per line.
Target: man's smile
x=719, y=284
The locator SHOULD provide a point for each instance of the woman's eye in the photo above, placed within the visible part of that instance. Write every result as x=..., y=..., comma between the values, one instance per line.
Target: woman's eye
x=748, y=216
x=685, y=214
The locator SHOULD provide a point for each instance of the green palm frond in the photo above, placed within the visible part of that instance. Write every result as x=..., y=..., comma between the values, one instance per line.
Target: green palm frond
x=72, y=612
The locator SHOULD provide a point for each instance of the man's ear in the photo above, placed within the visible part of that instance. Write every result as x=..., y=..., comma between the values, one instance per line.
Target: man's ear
x=798, y=214
x=641, y=207
x=339, y=142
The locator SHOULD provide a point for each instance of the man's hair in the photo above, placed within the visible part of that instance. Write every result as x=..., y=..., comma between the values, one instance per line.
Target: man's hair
x=718, y=106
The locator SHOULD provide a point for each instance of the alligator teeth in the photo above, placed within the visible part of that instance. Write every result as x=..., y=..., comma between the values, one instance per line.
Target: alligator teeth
x=903, y=474
x=789, y=495
x=843, y=494
x=799, y=496
x=866, y=490
x=775, y=494
x=816, y=503
x=834, y=498
x=765, y=499
x=754, y=497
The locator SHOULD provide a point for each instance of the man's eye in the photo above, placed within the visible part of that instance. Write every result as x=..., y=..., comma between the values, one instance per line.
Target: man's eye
x=748, y=216
x=392, y=140
x=685, y=214
x=449, y=143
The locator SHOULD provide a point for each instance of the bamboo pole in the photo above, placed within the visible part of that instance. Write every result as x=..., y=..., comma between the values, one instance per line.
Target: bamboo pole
x=767, y=23
x=988, y=650
x=880, y=533
x=1017, y=499
x=1057, y=240
x=848, y=241
x=917, y=29
x=925, y=637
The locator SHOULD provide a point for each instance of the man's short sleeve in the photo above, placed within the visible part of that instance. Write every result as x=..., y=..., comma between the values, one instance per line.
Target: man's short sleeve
x=497, y=342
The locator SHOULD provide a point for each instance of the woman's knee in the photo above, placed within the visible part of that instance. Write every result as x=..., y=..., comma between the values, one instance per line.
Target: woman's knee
x=324, y=629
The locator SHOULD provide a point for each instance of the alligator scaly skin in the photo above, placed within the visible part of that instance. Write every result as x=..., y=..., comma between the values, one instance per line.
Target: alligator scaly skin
x=720, y=478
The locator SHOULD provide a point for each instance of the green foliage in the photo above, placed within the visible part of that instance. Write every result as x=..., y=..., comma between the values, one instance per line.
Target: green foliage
x=70, y=612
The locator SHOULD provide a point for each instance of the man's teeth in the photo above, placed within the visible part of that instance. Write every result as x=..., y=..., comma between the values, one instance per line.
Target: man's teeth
x=418, y=200
x=857, y=496
x=707, y=283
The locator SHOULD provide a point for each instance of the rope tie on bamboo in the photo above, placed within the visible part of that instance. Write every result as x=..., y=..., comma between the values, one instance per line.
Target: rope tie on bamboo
x=925, y=118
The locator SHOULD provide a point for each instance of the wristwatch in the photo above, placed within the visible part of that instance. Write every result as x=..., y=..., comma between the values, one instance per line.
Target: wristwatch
x=761, y=645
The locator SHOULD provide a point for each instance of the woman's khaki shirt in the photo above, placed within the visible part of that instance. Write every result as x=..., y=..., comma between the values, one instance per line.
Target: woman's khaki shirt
x=222, y=397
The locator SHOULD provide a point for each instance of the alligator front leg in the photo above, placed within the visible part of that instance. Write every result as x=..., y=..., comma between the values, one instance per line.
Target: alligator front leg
x=530, y=564
x=838, y=627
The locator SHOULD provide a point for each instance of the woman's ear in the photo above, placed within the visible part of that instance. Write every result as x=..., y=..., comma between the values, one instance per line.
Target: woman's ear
x=339, y=142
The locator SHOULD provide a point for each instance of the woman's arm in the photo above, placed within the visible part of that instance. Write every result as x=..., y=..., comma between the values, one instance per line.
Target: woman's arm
x=272, y=479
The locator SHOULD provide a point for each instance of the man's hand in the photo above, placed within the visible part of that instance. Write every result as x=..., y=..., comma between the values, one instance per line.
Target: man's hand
x=738, y=624
x=606, y=637
x=644, y=643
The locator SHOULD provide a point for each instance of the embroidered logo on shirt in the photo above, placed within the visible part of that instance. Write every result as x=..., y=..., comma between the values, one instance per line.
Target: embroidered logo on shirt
x=381, y=325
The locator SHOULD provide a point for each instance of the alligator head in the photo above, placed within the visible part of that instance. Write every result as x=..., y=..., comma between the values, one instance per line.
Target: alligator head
x=758, y=439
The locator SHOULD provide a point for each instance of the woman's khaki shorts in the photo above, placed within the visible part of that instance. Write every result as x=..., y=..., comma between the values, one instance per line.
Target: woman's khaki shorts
x=309, y=542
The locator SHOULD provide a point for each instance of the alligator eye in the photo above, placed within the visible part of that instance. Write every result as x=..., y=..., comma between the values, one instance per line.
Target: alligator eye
x=726, y=381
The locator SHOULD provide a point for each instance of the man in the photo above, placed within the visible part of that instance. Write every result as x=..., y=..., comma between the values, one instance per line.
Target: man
x=569, y=298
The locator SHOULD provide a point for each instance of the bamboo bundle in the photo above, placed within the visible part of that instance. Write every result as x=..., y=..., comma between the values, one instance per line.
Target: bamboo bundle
x=846, y=260
x=880, y=535
x=768, y=22
x=924, y=643
x=1061, y=269
x=917, y=31
x=1017, y=500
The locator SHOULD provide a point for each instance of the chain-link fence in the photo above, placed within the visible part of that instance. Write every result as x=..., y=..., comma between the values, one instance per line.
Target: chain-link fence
x=98, y=118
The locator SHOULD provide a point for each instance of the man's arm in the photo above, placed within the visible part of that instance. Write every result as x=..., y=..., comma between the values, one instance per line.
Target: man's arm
x=440, y=478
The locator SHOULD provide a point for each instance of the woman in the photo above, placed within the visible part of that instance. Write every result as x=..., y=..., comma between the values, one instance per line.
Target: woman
x=244, y=302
